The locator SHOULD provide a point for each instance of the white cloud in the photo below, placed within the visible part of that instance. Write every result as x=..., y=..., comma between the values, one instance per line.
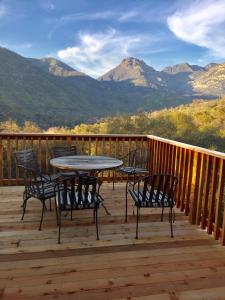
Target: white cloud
x=201, y=23
x=99, y=15
x=97, y=53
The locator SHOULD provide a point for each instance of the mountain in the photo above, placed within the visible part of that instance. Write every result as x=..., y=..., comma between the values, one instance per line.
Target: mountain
x=210, y=82
x=183, y=79
x=56, y=67
x=135, y=71
x=182, y=68
x=51, y=93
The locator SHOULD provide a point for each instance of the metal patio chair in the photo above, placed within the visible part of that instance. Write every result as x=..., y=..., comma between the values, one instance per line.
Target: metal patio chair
x=135, y=164
x=28, y=159
x=156, y=191
x=37, y=187
x=58, y=151
x=83, y=195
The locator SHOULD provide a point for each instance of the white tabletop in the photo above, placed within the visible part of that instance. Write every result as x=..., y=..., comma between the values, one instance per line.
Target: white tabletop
x=86, y=163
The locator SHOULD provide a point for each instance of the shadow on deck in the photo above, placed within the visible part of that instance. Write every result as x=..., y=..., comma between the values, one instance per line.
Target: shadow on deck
x=189, y=266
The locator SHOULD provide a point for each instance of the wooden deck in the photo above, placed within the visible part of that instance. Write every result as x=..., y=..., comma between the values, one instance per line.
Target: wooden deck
x=33, y=266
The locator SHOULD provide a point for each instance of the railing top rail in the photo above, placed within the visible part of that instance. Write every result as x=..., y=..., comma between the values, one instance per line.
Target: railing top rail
x=13, y=135
x=188, y=146
x=113, y=136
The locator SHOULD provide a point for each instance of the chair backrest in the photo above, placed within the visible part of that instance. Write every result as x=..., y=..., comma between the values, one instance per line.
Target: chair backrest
x=27, y=158
x=138, y=158
x=141, y=158
x=63, y=151
x=33, y=181
x=159, y=188
x=83, y=195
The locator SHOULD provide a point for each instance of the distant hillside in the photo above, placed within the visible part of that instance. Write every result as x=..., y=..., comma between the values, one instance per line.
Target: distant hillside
x=201, y=123
x=51, y=93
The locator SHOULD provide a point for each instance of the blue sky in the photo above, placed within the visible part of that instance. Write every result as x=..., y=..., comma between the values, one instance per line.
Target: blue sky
x=95, y=35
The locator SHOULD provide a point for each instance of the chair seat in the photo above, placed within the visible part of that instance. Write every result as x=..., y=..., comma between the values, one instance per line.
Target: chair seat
x=81, y=200
x=132, y=170
x=138, y=199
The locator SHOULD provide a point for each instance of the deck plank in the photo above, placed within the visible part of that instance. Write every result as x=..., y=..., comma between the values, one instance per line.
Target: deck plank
x=33, y=266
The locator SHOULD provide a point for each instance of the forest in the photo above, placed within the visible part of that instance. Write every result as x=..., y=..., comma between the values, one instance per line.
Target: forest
x=200, y=123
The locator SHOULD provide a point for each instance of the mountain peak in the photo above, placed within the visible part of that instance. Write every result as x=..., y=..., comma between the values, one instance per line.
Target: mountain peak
x=135, y=71
x=132, y=61
x=182, y=68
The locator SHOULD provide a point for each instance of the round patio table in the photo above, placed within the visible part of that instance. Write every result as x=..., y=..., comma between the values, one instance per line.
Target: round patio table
x=93, y=164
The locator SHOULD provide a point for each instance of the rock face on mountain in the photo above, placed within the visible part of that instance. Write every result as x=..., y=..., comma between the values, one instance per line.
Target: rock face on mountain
x=135, y=71
x=56, y=67
x=210, y=82
x=51, y=93
x=182, y=68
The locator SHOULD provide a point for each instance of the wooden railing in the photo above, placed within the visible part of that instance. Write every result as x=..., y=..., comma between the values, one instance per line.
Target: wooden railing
x=201, y=172
x=109, y=145
x=201, y=175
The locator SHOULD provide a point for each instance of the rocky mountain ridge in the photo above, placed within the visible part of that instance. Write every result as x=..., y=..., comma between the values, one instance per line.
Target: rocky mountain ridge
x=189, y=79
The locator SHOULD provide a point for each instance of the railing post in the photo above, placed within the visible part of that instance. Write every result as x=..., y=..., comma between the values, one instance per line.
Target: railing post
x=1, y=162
x=212, y=198
x=223, y=229
x=194, y=202
x=206, y=192
x=219, y=200
x=69, y=141
x=8, y=155
x=189, y=181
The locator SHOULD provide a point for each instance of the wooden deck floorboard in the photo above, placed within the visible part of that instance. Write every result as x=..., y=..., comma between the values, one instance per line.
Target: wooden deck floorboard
x=33, y=266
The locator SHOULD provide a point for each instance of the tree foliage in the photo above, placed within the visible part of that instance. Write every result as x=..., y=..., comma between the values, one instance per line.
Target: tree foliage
x=200, y=123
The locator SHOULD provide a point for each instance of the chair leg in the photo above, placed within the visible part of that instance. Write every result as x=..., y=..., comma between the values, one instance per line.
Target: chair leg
x=113, y=180
x=126, y=202
x=59, y=223
x=171, y=221
x=56, y=214
x=96, y=222
x=42, y=213
x=137, y=219
x=24, y=205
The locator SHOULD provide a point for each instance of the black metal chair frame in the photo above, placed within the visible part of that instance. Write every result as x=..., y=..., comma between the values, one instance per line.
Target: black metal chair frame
x=137, y=166
x=83, y=195
x=27, y=159
x=155, y=191
x=37, y=187
x=58, y=151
